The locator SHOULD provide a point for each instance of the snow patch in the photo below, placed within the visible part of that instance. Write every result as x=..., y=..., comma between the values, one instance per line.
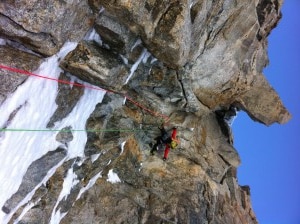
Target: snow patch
x=146, y=56
x=69, y=181
x=95, y=157
x=124, y=101
x=138, y=42
x=108, y=162
x=125, y=60
x=92, y=35
x=89, y=185
x=36, y=102
x=25, y=210
x=113, y=177
x=57, y=217
x=2, y=41
x=153, y=60
x=141, y=166
x=136, y=64
x=102, y=9
x=77, y=120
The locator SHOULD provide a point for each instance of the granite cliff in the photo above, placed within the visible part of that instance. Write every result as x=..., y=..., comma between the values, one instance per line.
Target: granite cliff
x=183, y=63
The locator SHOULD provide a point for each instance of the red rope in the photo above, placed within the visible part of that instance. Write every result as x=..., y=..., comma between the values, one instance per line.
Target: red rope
x=165, y=117
x=20, y=71
x=49, y=78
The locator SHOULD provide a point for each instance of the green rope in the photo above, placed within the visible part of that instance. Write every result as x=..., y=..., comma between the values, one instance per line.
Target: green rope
x=68, y=130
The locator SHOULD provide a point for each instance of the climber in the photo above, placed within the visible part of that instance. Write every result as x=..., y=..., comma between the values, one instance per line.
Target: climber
x=169, y=141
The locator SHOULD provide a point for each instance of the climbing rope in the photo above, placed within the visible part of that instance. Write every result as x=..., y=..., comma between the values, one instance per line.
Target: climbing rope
x=20, y=71
x=24, y=72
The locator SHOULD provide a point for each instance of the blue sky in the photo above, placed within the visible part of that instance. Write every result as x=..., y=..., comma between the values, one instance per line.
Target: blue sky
x=271, y=155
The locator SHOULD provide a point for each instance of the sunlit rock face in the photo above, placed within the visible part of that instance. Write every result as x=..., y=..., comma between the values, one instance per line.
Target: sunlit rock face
x=135, y=65
x=44, y=26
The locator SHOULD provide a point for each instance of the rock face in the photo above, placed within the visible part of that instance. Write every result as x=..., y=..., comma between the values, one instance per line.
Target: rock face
x=10, y=81
x=88, y=58
x=34, y=175
x=203, y=37
x=44, y=26
x=182, y=63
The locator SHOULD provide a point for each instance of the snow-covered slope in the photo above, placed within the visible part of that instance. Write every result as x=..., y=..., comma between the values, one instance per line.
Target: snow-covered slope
x=34, y=104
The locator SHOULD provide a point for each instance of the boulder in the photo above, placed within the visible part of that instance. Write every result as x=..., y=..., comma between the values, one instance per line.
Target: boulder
x=97, y=65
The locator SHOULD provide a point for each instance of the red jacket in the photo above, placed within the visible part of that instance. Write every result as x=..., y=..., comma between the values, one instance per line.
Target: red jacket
x=167, y=149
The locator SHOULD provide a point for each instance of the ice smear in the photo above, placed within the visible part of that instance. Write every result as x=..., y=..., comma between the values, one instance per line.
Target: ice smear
x=113, y=177
x=89, y=185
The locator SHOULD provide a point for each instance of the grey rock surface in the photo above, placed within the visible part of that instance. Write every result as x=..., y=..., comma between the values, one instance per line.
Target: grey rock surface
x=34, y=175
x=66, y=99
x=44, y=26
x=14, y=58
x=96, y=65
